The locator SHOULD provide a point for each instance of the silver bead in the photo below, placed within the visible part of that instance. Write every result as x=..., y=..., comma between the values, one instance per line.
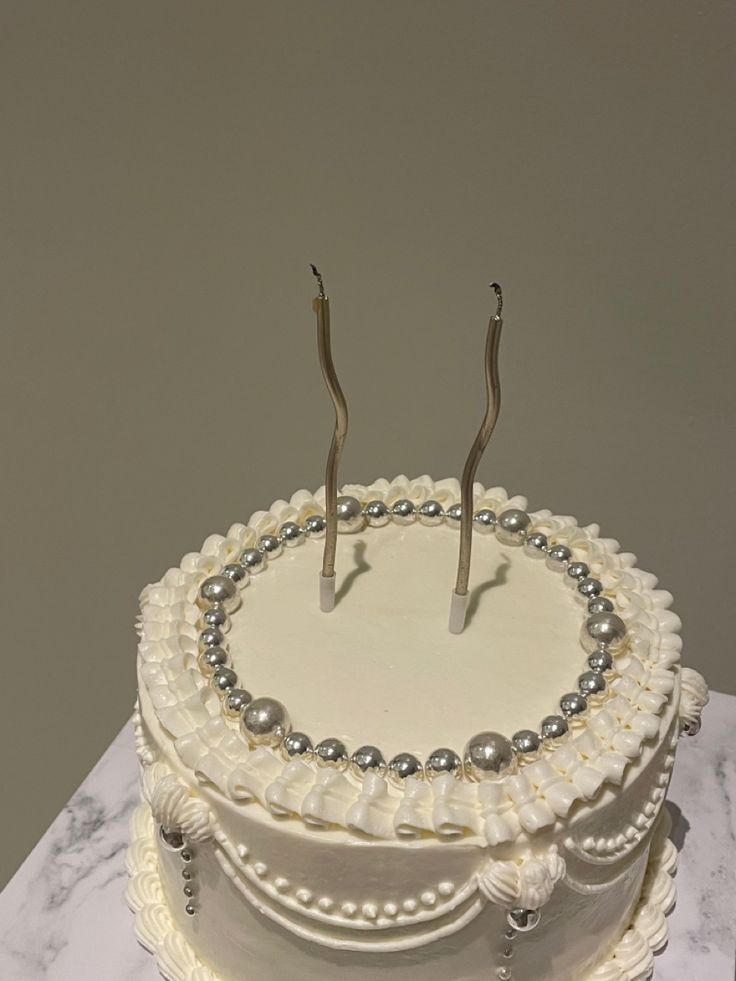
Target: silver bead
x=377, y=513
x=526, y=742
x=484, y=521
x=443, y=761
x=600, y=604
x=577, y=570
x=216, y=616
x=223, y=680
x=558, y=557
x=211, y=659
x=592, y=683
x=332, y=752
x=600, y=661
x=296, y=745
x=454, y=515
x=211, y=637
x=573, y=704
x=402, y=766
x=367, y=758
x=603, y=630
x=186, y=855
x=512, y=526
x=254, y=560
x=431, y=513
x=404, y=512
x=265, y=722
x=188, y=891
x=219, y=589
x=315, y=525
x=553, y=727
x=270, y=546
x=350, y=516
x=189, y=909
x=488, y=755
x=589, y=587
x=186, y=874
x=235, y=702
x=237, y=573
x=523, y=920
x=172, y=840
x=504, y=973
x=535, y=544
x=690, y=727
x=291, y=534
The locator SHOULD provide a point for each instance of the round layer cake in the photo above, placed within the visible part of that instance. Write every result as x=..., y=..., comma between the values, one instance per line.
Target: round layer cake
x=362, y=795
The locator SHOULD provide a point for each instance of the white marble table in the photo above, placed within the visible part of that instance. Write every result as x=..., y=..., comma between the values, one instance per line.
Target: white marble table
x=63, y=916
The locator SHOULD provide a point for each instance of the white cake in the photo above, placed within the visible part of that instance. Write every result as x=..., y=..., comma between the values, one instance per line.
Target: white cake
x=549, y=863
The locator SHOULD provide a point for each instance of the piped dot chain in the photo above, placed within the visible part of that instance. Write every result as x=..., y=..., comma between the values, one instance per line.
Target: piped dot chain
x=264, y=721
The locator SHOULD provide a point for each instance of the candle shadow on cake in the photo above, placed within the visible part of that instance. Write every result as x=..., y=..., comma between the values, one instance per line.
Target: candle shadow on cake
x=361, y=566
x=499, y=578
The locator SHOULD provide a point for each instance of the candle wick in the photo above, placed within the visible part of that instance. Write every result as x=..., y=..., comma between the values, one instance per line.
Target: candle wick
x=318, y=277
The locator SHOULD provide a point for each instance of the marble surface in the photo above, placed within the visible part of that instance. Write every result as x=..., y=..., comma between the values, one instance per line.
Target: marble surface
x=63, y=916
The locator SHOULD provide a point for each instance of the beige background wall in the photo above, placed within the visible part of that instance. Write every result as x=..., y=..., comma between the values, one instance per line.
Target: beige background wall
x=168, y=171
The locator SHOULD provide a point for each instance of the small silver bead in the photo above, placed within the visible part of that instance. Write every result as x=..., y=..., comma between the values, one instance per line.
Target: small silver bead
x=211, y=659
x=365, y=759
x=510, y=934
x=558, y=557
x=535, y=544
x=219, y=589
x=186, y=855
x=488, y=755
x=188, y=891
x=216, y=616
x=404, y=765
x=332, y=752
x=291, y=534
x=589, y=587
x=211, y=637
x=553, y=727
x=297, y=745
x=603, y=630
x=526, y=742
x=503, y=974
x=254, y=560
x=523, y=920
x=577, y=570
x=454, y=515
x=172, y=840
x=404, y=512
x=237, y=573
x=265, y=722
x=186, y=874
x=443, y=761
x=189, y=909
x=431, y=513
x=600, y=661
x=350, y=516
x=235, y=702
x=484, y=521
x=270, y=546
x=573, y=704
x=600, y=604
x=223, y=680
x=377, y=513
x=315, y=525
x=512, y=526
x=592, y=683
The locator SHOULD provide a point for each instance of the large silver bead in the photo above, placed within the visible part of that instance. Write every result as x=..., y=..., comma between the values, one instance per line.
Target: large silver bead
x=526, y=742
x=315, y=525
x=454, y=515
x=211, y=637
x=488, y=755
x=484, y=521
x=577, y=570
x=235, y=702
x=690, y=727
x=404, y=765
x=523, y=920
x=223, y=680
x=443, y=761
x=431, y=513
x=558, y=557
x=535, y=544
x=600, y=661
x=219, y=589
x=600, y=604
x=592, y=683
x=270, y=545
x=237, y=573
x=332, y=752
x=590, y=587
x=216, y=616
x=573, y=704
x=553, y=727
x=265, y=722
x=173, y=840
x=512, y=526
x=350, y=516
x=297, y=745
x=603, y=630
x=365, y=759
x=377, y=513
x=404, y=512
x=291, y=534
x=211, y=659
x=254, y=560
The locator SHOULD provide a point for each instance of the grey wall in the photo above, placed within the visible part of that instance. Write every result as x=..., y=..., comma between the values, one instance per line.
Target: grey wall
x=169, y=169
